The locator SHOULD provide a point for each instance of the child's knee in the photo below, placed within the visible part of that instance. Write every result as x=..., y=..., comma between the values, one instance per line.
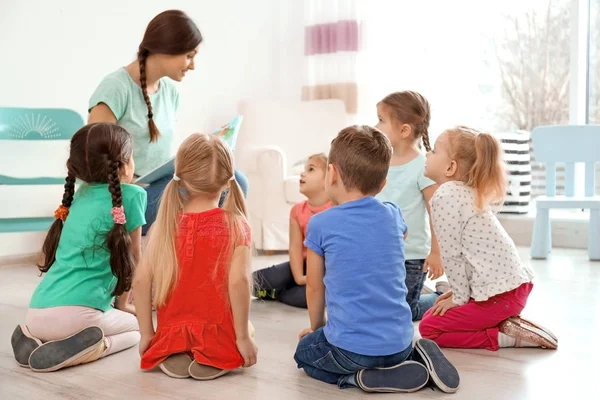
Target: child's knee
x=426, y=327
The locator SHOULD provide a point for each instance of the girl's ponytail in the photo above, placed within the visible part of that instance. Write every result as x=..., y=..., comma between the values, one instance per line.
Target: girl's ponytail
x=160, y=252
x=487, y=173
x=235, y=205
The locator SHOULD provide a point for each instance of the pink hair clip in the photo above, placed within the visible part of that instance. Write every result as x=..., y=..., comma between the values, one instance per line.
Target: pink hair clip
x=118, y=215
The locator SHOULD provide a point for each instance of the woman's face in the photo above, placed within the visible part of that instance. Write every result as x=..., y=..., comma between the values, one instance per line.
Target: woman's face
x=176, y=66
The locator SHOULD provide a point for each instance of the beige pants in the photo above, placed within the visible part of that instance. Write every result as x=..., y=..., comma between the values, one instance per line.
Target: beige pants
x=120, y=329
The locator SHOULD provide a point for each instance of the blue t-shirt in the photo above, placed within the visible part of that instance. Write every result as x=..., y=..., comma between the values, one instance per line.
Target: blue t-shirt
x=365, y=293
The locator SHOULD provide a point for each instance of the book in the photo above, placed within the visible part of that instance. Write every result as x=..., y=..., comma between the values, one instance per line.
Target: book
x=228, y=133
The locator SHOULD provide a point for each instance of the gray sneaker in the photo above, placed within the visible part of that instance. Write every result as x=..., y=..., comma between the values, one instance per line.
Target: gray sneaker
x=406, y=377
x=442, y=372
x=23, y=343
x=54, y=355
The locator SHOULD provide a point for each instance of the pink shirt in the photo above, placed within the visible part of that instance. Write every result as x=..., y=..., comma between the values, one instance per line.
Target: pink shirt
x=301, y=213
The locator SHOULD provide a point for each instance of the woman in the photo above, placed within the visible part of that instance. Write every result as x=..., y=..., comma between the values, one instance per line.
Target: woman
x=140, y=98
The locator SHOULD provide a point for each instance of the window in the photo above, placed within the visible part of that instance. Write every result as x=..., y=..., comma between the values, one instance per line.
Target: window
x=498, y=66
x=594, y=64
x=593, y=115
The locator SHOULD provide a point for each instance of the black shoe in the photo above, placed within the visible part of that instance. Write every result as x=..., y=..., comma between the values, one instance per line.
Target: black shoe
x=54, y=355
x=406, y=377
x=23, y=343
x=443, y=374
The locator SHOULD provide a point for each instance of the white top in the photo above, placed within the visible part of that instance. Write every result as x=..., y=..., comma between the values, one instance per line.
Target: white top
x=479, y=257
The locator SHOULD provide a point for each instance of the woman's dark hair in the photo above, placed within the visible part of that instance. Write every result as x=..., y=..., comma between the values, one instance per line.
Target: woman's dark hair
x=98, y=151
x=170, y=32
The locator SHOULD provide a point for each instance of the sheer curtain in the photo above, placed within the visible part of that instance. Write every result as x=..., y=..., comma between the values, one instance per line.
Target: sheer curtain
x=332, y=40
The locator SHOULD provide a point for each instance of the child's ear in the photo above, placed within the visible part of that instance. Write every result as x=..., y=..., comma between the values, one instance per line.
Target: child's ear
x=332, y=175
x=451, y=169
x=382, y=186
x=124, y=170
x=406, y=131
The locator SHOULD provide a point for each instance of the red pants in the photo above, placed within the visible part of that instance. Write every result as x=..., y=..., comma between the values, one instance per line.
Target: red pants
x=475, y=324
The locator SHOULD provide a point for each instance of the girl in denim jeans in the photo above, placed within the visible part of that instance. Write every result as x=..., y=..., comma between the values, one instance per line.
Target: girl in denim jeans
x=404, y=119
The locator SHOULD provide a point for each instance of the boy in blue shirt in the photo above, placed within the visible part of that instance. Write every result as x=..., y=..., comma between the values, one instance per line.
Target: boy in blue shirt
x=355, y=267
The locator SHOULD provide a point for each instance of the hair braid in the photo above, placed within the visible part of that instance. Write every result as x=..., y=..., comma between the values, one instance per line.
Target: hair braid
x=69, y=190
x=51, y=243
x=118, y=240
x=154, y=132
x=114, y=183
x=425, y=128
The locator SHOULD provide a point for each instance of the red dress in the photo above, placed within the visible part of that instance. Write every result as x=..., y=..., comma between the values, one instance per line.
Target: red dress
x=197, y=317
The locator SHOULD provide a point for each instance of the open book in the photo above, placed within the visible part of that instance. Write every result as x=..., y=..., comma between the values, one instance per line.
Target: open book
x=228, y=133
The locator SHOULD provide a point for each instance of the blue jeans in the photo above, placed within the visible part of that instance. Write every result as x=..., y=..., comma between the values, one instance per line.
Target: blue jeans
x=415, y=278
x=156, y=189
x=323, y=361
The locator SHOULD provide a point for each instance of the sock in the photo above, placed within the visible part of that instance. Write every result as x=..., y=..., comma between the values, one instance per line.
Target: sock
x=505, y=340
x=508, y=341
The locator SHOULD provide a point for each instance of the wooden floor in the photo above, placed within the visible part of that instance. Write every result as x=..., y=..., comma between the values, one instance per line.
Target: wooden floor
x=566, y=299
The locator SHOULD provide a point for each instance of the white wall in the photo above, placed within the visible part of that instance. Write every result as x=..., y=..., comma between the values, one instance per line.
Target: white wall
x=54, y=53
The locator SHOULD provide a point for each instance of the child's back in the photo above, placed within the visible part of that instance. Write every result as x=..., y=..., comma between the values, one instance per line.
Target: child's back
x=197, y=262
x=81, y=273
x=362, y=242
x=197, y=316
x=88, y=257
x=355, y=268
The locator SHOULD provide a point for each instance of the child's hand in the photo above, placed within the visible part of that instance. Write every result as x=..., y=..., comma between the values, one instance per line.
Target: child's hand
x=129, y=308
x=443, y=296
x=433, y=264
x=248, y=350
x=301, y=281
x=304, y=332
x=145, y=343
x=441, y=306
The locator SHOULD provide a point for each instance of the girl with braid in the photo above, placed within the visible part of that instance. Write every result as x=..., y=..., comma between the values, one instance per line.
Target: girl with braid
x=88, y=259
x=143, y=97
x=404, y=119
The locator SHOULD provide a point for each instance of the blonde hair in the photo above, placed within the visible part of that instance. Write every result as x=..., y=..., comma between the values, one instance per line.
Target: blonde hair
x=411, y=108
x=321, y=159
x=203, y=165
x=362, y=156
x=480, y=163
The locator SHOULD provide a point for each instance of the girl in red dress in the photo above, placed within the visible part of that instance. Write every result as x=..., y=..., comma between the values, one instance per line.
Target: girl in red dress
x=198, y=260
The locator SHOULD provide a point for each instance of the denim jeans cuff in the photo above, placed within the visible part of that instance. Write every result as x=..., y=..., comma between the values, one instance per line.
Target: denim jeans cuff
x=343, y=382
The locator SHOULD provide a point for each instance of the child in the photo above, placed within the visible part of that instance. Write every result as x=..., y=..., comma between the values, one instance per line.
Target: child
x=198, y=258
x=355, y=267
x=490, y=285
x=404, y=118
x=287, y=282
x=88, y=257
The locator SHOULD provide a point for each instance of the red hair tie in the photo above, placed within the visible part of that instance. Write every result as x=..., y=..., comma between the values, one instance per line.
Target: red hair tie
x=61, y=213
x=118, y=215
